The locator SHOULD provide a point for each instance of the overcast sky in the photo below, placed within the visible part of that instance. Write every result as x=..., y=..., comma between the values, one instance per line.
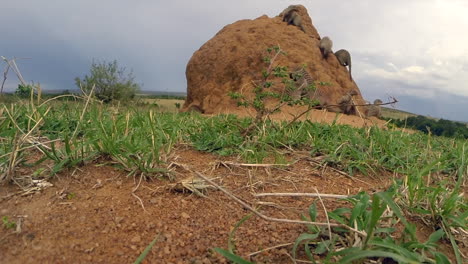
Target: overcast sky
x=414, y=50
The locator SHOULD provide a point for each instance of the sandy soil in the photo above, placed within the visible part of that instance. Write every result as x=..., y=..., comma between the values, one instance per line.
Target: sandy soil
x=91, y=216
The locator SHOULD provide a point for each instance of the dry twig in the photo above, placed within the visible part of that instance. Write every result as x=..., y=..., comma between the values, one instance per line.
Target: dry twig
x=334, y=196
x=272, y=219
x=254, y=165
x=136, y=196
x=326, y=213
x=269, y=248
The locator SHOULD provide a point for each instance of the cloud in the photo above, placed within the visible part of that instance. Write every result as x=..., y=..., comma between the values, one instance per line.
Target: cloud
x=412, y=43
x=447, y=77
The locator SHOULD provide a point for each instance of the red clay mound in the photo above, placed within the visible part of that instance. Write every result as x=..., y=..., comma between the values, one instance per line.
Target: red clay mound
x=232, y=59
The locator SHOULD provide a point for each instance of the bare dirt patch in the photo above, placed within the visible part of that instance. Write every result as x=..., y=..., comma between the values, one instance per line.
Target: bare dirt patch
x=91, y=216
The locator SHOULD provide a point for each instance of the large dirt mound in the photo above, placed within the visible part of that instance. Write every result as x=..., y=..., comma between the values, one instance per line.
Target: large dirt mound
x=233, y=58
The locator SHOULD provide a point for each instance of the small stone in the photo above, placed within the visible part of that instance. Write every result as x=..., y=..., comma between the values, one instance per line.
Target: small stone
x=154, y=200
x=185, y=215
x=30, y=236
x=136, y=239
x=167, y=251
x=206, y=261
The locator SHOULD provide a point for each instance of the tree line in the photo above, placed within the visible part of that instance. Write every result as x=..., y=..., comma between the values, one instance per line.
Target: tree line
x=441, y=127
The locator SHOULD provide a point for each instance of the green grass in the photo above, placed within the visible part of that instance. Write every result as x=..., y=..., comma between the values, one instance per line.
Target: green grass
x=139, y=139
x=7, y=223
x=395, y=113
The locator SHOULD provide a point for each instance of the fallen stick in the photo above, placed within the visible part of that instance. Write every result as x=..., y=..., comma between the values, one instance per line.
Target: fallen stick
x=272, y=219
x=136, y=196
x=269, y=248
x=255, y=165
x=335, y=196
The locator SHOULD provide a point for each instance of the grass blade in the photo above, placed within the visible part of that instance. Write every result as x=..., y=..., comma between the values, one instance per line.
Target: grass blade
x=147, y=250
x=231, y=245
x=232, y=257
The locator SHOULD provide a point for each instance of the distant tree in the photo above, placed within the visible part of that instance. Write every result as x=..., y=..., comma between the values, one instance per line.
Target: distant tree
x=441, y=127
x=23, y=90
x=111, y=82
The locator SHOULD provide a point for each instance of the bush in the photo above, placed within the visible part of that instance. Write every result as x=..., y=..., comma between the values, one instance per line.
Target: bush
x=111, y=82
x=441, y=127
x=23, y=90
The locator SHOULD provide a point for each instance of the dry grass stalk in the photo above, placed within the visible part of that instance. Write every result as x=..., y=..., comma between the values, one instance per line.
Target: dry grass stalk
x=269, y=248
x=136, y=196
x=326, y=213
x=5, y=75
x=84, y=111
x=37, y=119
x=193, y=185
x=254, y=165
x=12, y=64
x=334, y=196
x=272, y=219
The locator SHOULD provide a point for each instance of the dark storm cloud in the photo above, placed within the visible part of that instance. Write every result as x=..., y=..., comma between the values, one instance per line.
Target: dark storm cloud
x=155, y=39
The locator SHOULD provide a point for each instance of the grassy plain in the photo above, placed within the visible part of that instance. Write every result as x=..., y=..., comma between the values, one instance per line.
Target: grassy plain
x=395, y=113
x=429, y=185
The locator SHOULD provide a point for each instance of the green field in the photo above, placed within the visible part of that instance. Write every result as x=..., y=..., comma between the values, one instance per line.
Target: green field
x=395, y=113
x=432, y=170
x=164, y=105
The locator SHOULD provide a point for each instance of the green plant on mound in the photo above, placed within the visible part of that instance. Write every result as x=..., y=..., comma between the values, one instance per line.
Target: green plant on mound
x=266, y=90
x=110, y=82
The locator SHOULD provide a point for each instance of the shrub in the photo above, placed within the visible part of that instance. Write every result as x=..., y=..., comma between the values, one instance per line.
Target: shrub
x=110, y=81
x=23, y=90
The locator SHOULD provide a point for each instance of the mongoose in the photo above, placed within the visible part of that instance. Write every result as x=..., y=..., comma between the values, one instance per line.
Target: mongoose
x=326, y=45
x=344, y=58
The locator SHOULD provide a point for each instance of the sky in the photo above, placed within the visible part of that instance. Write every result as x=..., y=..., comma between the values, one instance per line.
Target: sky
x=413, y=50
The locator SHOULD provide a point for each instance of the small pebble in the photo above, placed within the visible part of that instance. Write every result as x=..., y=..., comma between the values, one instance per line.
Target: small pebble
x=136, y=239
x=185, y=215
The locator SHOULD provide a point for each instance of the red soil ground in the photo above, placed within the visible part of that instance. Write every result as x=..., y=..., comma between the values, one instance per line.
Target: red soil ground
x=91, y=216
